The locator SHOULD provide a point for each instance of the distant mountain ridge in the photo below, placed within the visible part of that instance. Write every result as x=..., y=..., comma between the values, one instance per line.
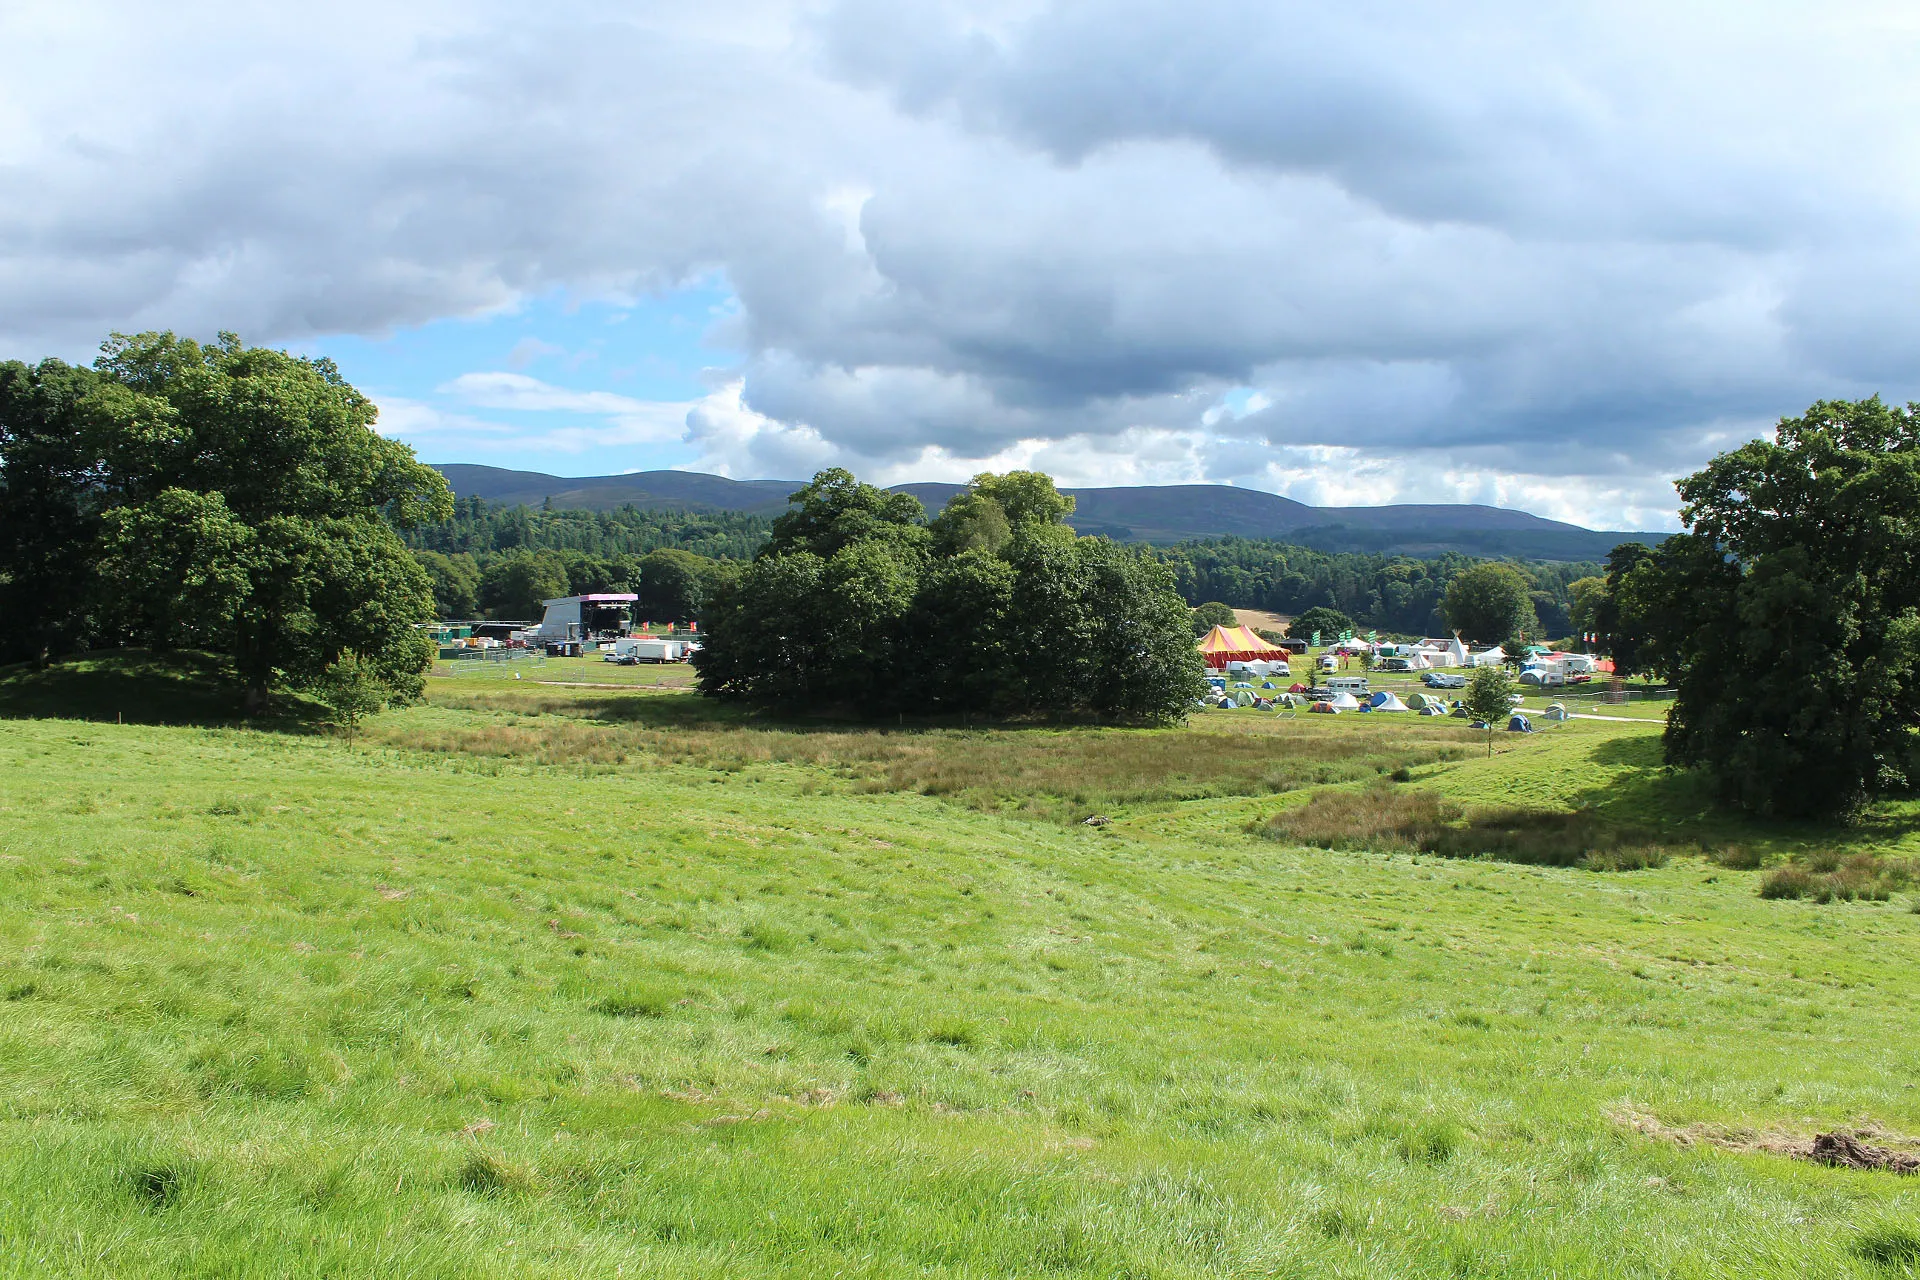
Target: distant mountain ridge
x=1147, y=513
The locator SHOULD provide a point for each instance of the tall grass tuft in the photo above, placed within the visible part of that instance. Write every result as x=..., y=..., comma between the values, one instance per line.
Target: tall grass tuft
x=486, y=1173
x=1828, y=877
x=162, y=1184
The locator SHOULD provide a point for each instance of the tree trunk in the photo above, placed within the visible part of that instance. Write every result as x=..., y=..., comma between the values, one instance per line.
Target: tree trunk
x=256, y=699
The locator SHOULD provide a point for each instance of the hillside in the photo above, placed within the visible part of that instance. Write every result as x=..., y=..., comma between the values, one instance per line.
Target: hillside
x=564, y=982
x=1150, y=513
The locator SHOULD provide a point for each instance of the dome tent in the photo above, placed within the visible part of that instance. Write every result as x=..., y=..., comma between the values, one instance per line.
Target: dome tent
x=1344, y=702
x=1388, y=702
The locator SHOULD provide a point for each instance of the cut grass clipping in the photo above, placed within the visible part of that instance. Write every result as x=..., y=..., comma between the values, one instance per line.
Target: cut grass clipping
x=1386, y=819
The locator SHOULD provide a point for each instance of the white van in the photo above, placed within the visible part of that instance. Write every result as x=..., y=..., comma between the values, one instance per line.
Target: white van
x=635, y=649
x=1355, y=685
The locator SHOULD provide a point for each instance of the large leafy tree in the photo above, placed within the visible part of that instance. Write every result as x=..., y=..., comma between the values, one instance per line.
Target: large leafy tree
x=455, y=581
x=1788, y=616
x=228, y=497
x=50, y=508
x=1322, y=621
x=1213, y=614
x=673, y=584
x=996, y=609
x=1490, y=604
x=515, y=587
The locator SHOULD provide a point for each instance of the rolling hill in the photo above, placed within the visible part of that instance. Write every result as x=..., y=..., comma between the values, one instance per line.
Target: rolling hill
x=1149, y=513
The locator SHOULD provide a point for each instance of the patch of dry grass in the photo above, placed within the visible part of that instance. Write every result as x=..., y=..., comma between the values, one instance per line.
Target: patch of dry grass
x=1385, y=818
x=1056, y=773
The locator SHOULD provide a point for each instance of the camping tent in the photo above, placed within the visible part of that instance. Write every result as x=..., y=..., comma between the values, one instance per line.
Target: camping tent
x=1433, y=709
x=1488, y=657
x=1421, y=701
x=1237, y=644
x=1344, y=702
x=1388, y=702
x=1324, y=708
x=1519, y=724
x=1557, y=713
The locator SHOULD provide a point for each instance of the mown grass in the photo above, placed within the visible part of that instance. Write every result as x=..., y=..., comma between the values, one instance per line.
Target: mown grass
x=289, y=1005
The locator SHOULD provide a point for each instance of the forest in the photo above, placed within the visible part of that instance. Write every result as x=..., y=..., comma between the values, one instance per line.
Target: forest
x=604, y=550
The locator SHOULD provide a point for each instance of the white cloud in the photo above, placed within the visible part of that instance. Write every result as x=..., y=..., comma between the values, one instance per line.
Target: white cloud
x=1554, y=256
x=628, y=421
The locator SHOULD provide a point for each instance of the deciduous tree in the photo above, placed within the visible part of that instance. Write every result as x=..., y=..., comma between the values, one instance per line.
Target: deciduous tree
x=1490, y=604
x=1788, y=616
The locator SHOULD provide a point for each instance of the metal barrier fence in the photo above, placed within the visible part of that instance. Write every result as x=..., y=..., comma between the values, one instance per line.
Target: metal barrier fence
x=1611, y=697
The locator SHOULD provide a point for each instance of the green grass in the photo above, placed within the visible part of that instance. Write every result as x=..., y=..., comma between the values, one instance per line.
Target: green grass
x=434, y=1004
x=545, y=670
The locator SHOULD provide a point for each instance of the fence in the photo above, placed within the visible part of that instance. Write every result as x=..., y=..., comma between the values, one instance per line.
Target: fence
x=1611, y=697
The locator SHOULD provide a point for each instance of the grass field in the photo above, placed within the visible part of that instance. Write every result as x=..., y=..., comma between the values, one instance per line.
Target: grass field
x=566, y=982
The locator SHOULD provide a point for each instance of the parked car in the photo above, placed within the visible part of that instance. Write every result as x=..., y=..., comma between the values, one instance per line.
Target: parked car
x=1443, y=680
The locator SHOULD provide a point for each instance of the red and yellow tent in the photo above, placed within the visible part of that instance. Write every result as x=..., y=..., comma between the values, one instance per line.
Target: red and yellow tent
x=1237, y=644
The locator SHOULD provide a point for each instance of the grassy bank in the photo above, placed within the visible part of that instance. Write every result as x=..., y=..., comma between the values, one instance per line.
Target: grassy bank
x=578, y=984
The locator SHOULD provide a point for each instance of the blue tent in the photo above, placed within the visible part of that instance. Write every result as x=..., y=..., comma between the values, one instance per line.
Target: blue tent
x=1519, y=724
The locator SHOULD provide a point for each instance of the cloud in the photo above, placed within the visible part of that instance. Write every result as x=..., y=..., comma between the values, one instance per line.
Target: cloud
x=1556, y=256
x=628, y=421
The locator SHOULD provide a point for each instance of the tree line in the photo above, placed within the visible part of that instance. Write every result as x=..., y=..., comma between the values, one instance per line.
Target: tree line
x=1401, y=594
x=500, y=561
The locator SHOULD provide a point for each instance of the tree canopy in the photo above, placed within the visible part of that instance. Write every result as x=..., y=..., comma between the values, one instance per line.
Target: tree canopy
x=222, y=497
x=1321, y=621
x=1213, y=614
x=1490, y=604
x=995, y=608
x=1788, y=615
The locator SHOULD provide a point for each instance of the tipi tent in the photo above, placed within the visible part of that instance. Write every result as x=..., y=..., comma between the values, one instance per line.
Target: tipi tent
x=1237, y=644
x=1344, y=702
x=1388, y=702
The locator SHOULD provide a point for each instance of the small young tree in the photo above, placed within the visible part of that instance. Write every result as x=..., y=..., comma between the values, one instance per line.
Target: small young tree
x=353, y=690
x=1490, y=699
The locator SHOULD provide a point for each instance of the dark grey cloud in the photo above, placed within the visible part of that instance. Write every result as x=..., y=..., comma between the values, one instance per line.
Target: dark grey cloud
x=1553, y=256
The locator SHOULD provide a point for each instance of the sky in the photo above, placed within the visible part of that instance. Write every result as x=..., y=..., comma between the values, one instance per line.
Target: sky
x=1548, y=256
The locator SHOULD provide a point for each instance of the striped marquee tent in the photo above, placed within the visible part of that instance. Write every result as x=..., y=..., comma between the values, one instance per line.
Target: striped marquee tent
x=1237, y=644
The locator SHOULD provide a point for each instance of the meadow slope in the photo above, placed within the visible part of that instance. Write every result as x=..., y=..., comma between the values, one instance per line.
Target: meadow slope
x=436, y=1004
